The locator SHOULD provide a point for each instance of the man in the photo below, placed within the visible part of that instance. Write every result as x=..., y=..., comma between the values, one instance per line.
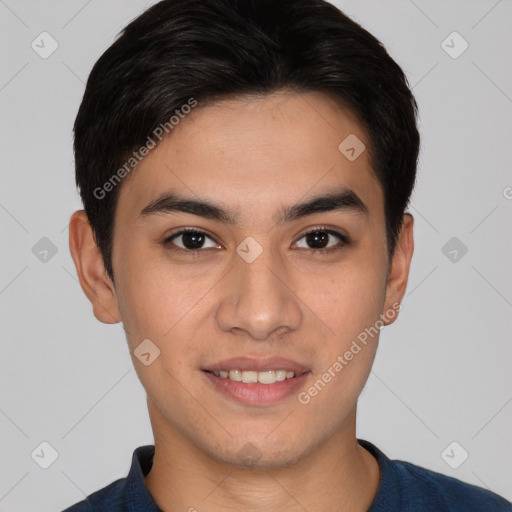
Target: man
x=245, y=167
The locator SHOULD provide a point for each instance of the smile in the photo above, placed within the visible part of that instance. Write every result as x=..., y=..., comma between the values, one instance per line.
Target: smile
x=252, y=377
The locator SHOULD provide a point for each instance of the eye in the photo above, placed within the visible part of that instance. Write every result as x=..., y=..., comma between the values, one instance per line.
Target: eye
x=319, y=239
x=191, y=240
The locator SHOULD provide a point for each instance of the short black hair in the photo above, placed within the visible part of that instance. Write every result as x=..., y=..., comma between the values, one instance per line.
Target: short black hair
x=183, y=51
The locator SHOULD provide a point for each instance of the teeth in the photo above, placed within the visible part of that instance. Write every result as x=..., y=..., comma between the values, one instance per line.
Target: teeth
x=251, y=377
x=268, y=377
x=280, y=375
x=235, y=375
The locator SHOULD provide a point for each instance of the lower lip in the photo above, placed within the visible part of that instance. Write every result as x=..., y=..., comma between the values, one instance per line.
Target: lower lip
x=257, y=393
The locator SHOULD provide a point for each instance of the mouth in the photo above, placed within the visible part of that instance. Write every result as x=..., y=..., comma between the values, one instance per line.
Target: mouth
x=253, y=377
x=256, y=381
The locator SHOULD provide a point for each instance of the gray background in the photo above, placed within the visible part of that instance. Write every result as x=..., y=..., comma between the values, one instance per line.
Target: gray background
x=442, y=372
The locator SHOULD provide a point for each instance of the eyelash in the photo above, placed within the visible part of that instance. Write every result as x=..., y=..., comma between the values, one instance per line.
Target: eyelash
x=344, y=240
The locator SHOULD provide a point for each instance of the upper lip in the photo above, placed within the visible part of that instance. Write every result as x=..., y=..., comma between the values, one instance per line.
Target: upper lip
x=258, y=365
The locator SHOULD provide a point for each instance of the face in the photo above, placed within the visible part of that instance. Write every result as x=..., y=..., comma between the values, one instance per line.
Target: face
x=255, y=284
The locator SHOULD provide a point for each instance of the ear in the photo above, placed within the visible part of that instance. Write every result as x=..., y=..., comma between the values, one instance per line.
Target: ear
x=91, y=271
x=398, y=273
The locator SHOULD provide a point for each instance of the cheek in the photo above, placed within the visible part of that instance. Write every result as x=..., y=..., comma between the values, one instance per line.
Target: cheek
x=156, y=306
x=150, y=302
x=347, y=299
x=349, y=308
x=168, y=307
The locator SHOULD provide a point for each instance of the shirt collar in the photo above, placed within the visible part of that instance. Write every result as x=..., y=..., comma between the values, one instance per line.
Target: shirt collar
x=388, y=495
x=137, y=494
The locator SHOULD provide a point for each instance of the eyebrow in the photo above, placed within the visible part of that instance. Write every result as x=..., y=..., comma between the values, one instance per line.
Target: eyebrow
x=339, y=199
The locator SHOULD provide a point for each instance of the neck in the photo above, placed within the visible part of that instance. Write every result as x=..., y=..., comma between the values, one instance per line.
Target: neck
x=339, y=475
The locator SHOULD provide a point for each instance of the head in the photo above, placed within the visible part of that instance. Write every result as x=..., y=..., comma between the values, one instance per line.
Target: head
x=251, y=123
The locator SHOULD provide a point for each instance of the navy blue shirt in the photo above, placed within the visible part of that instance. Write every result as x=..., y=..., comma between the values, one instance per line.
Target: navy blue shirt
x=403, y=487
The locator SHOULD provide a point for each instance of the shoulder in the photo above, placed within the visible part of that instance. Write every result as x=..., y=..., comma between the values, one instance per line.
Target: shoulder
x=422, y=487
x=108, y=498
x=131, y=490
x=406, y=486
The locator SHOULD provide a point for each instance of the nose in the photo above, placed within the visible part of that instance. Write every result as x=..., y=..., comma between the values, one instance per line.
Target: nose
x=258, y=300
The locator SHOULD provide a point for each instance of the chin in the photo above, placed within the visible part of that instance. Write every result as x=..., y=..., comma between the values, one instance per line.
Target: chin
x=261, y=456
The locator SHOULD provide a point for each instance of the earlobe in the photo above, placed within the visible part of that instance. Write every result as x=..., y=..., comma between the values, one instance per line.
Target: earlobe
x=93, y=277
x=399, y=271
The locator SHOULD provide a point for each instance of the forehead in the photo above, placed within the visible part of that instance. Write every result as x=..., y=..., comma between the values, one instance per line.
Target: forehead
x=257, y=153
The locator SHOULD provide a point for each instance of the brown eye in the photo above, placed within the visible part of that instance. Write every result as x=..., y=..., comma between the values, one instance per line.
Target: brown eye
x=322, y=240
x=317, y=239
x=192, y=240
x=189, y=240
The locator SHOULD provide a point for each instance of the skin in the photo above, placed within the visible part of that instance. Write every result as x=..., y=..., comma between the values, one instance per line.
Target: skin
x=253, y=155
